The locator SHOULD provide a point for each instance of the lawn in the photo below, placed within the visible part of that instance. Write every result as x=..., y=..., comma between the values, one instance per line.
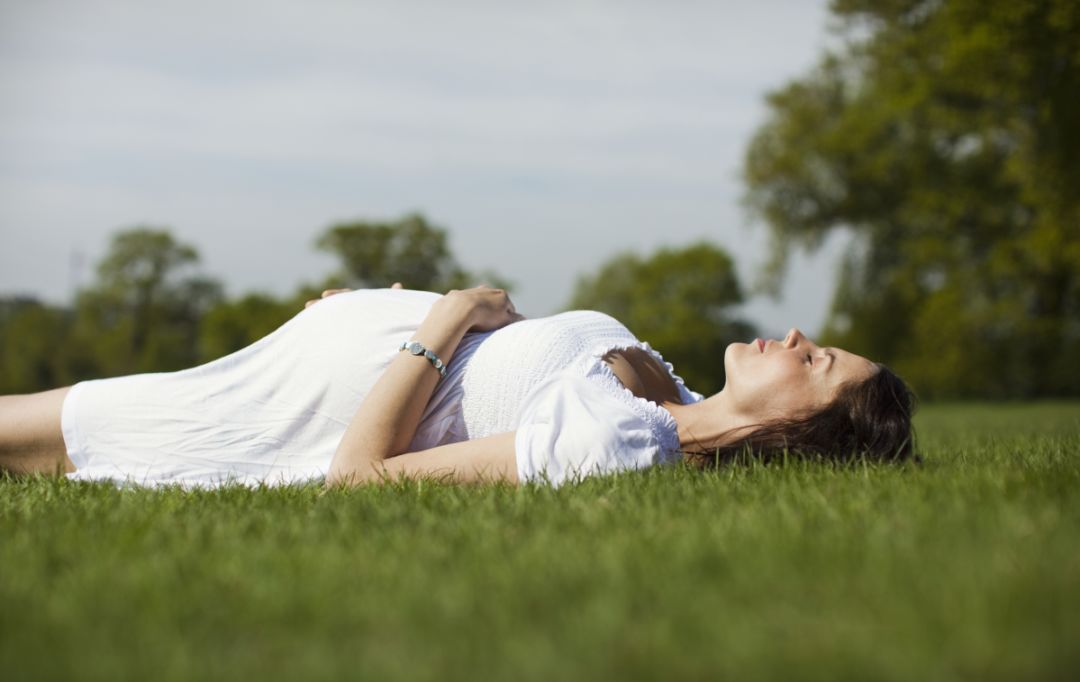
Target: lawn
x=967, y=567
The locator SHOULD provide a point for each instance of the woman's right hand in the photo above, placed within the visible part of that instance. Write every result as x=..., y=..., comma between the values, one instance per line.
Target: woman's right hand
x=485, y=308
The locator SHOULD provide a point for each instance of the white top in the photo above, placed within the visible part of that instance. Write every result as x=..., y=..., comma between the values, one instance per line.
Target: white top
x=275, y=411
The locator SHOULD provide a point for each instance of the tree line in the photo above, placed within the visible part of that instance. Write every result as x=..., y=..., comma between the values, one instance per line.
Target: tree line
x=149, y=309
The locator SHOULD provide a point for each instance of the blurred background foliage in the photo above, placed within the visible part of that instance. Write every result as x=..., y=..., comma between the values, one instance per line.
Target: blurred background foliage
x=150, y=310
x=943, y=136
x=679, y=300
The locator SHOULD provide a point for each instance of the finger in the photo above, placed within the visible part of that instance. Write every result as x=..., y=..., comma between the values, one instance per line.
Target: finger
x=396, y=285
x=310, y=303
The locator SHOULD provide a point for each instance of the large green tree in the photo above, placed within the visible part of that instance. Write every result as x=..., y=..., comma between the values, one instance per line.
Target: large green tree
x=142, y=313
x=945, y=136
x=679, y=300
x=409, y=250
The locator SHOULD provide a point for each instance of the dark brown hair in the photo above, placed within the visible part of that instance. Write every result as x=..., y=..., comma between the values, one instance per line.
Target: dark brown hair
x=868, y=419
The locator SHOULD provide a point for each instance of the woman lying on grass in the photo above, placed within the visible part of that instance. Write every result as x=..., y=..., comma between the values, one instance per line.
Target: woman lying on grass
x=371, y=384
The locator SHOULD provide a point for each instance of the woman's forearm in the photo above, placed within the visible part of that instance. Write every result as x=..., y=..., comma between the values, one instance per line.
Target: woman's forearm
x=389, y=415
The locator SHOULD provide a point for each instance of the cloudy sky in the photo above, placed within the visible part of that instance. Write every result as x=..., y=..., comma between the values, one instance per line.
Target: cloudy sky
x=545, y=136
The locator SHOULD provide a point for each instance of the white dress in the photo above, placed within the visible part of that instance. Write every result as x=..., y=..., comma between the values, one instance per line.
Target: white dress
x=275, y=411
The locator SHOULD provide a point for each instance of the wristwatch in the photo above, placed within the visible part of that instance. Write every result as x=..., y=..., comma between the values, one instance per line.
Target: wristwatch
x=417, y=348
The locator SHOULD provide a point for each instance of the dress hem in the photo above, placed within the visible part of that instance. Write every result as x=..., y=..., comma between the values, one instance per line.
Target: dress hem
x=69, y=427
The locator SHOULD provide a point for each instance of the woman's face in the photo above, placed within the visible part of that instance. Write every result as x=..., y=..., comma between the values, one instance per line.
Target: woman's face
x=769, y=379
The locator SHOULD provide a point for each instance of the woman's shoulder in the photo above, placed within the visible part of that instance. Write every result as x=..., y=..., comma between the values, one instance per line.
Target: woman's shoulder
x=598, y=402
x=600, y=344
x=573, y=424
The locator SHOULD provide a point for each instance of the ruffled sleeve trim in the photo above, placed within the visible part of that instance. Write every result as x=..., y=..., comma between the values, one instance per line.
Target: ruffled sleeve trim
x=659, y=419
x=573, y=426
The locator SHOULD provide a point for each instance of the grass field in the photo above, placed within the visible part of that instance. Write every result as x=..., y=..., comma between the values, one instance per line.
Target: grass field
x=965, y=568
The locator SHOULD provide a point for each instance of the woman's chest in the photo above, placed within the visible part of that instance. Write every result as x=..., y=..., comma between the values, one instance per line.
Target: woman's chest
x=643, y=375
x=491, y=375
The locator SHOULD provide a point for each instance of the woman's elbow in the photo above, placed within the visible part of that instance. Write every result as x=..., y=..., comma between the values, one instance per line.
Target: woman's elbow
x=348, y=477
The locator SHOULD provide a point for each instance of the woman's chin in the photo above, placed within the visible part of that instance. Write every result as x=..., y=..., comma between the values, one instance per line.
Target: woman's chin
x=728, y=351
x=736, y=348
x=731, y=353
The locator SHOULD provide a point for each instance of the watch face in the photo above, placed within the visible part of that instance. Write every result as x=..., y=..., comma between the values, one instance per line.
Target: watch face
x=415, y=348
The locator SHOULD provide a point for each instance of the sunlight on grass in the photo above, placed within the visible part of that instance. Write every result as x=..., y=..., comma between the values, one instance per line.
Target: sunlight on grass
x=966, y=567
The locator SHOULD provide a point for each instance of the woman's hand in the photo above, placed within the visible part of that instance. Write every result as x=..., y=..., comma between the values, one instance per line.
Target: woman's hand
x=331, y=292
x=485, y=308
x=386, y=420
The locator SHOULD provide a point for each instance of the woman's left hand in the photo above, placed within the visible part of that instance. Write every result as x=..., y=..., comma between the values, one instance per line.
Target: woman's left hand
x=386, y=420
x=485, y=308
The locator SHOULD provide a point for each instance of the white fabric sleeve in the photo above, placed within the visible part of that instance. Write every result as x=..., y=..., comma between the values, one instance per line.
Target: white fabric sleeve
x=569, y=426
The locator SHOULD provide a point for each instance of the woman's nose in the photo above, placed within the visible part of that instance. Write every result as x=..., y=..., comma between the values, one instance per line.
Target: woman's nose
x=794, y=338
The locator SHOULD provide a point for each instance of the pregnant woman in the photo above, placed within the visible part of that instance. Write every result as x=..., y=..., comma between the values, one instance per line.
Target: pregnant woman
x=373, y=384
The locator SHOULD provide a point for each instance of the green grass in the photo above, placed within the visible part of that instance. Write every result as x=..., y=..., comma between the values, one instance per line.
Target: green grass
x=965, y=568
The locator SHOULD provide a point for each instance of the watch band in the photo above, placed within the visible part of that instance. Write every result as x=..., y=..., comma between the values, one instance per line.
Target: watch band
x=417, y=348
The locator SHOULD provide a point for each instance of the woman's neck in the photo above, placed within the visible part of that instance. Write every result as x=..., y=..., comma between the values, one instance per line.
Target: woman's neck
x=707, y=424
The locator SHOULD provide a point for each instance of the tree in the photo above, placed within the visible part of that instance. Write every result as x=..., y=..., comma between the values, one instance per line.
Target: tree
x=234, y=324
x=946, y=137
x=678, y=300
x=32, y=348
x=373, y=255
x=142, y=314
x=409, y=250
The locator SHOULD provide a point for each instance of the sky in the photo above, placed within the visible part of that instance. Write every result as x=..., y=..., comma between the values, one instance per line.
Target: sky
x=546, y=137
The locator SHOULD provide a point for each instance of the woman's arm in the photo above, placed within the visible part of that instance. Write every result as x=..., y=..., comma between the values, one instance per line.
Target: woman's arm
x=387, y=419
x=484, y=459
